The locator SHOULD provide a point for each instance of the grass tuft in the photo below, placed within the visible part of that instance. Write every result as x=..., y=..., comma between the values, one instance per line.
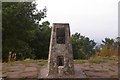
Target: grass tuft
x=79, y=61
x=97, y=60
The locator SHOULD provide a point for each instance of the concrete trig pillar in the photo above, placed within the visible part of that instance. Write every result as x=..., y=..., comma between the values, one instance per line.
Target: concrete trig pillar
x=60, y=61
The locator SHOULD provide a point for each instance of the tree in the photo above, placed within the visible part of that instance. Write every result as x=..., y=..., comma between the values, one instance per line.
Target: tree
x=82, y=46
x=41, y=42
x=117, y=41
x=19, y=25
x=109, y=47
x=108, y=41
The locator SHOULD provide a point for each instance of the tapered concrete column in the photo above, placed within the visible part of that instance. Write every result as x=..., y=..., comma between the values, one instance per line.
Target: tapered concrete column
x=60, y=61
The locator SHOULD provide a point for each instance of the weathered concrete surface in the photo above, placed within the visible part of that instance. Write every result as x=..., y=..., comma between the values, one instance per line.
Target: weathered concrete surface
x=60, y=46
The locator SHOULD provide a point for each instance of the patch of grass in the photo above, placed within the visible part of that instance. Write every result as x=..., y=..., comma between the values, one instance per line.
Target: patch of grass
x=97, y=60
x=26, y=62
x=113, y=58
x=41, y=60
x=39, y=63
x=35, y=61
x=29, y=61
x=79, y=61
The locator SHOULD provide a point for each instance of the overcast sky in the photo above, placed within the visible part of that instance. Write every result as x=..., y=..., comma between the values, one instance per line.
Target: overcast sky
x=95, y=19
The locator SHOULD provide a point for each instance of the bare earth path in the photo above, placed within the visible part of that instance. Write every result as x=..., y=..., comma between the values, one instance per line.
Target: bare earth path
x=31, y=69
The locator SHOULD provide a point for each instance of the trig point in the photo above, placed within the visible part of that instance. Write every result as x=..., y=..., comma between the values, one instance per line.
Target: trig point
x=60, y=60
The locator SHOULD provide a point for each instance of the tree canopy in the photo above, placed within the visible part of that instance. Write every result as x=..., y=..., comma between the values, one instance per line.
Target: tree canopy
x=83, y=47
x=20, y=26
